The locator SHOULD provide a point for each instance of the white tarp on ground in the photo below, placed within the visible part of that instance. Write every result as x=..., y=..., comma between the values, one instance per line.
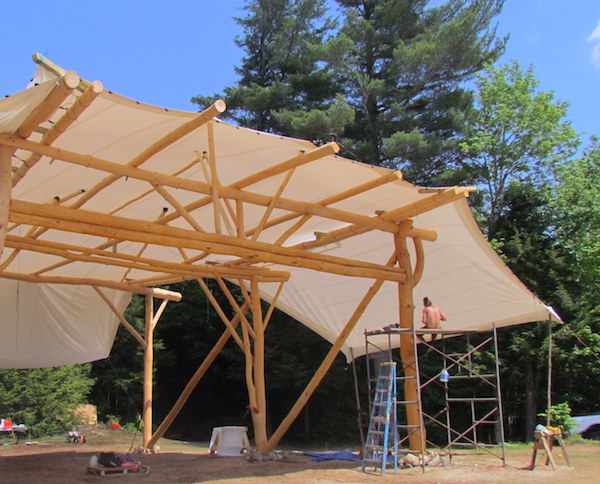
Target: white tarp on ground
x=51, y=325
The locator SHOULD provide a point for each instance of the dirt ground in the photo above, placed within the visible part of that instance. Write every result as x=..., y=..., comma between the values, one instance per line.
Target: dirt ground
x=54, y=461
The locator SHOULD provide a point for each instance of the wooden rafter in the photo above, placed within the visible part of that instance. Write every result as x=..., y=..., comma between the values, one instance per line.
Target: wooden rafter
x=121, y=317
x=77, y=281
x=5, y=191
x=58, y=128
x=271, y=205
x=109, y=226
x=61, y=90
x=195, y=186
x=338, y=197
x=398, y=215
x=98, y=256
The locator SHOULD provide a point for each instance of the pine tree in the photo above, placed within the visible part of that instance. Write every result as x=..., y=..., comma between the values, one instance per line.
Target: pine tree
x=279, y=71
x=401, y=66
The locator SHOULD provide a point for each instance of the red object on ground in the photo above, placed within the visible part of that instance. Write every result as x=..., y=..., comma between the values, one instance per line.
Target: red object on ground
x=115, y=425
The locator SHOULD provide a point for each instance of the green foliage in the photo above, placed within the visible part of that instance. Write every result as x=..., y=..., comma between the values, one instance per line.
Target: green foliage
x=515, y=134
x=279, y=73
x=560, y=416
x=400, y=65
x=44, y=398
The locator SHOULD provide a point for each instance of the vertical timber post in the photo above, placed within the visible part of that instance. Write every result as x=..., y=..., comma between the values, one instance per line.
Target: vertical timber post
x=407, y=346
x=259, y=415
x=5, y=191
x=148, y=367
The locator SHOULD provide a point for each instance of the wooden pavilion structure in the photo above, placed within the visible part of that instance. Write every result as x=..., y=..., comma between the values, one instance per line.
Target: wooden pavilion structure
x=102, y=197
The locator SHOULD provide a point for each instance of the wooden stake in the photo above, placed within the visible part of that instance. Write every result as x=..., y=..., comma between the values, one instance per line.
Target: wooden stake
x=325, y=365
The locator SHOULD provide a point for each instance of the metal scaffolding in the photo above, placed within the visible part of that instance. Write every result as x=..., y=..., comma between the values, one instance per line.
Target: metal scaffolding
x=458, y=377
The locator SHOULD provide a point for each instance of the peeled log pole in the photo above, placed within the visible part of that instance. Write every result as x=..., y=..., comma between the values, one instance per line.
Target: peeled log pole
x=187, y=391
x=148, y=366
x=5, y=191
x=325, y=365
x=259, y=418
x=407, y=348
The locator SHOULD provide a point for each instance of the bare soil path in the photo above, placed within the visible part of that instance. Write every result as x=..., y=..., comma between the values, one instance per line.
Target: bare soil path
x=54, y=461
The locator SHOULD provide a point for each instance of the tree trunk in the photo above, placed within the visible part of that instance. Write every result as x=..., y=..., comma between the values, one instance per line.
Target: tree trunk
x=530, y=402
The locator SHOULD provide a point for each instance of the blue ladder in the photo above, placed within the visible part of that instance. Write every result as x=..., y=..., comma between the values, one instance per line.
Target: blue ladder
x=383, y=421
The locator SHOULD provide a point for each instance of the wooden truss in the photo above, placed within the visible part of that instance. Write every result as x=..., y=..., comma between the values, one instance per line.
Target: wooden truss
x=231, y=237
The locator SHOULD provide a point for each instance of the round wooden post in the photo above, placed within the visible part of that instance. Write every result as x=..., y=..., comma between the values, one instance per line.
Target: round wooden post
x=407, y=352
x=148, y=366
x=259, y=415
x=5, y=190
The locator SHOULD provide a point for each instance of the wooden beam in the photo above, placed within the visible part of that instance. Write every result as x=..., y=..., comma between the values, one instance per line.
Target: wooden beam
x=58, y=128
x=420, y=261
x=119, y=315
x=220, y=312
x=98, y=256
x=200, y=372
x=213, y=178
x=338, y=197
x=205, y=116
x=178, y=207
x=407, y=347
x=148, y=370
x=109, y=226
x=55, y=69
x=191, y=185
x=326, y=364
x=5, y=191
x=63, y=88
x=76, y=281
x=235, y=305
x=259, y=418
x=271, y=205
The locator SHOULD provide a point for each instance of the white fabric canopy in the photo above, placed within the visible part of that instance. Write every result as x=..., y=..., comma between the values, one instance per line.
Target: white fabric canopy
x=52, y=324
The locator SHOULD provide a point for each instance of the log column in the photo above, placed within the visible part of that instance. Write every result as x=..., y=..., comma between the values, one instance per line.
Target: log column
x=5, y=190
x=407, y=347
x=259, y=415
x=148, y=367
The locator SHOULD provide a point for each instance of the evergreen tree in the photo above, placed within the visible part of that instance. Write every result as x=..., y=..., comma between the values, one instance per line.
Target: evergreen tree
x=44, y=398
x=400, y=65
x=279, y=71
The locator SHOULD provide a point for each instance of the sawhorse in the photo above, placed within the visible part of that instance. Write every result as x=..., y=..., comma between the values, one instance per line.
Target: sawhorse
x=546, y=441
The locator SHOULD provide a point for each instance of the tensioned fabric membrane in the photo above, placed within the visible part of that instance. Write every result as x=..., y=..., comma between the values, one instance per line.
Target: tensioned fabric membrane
x=74, y=217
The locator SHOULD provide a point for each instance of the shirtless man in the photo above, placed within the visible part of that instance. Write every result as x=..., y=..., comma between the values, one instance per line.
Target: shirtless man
x=432, y=316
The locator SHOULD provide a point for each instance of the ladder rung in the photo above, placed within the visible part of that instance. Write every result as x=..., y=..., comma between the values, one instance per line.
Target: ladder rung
x=406, y=401
x=408, y=426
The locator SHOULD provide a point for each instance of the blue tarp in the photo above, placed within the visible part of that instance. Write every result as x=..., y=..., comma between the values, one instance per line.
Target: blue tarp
x=341, y=455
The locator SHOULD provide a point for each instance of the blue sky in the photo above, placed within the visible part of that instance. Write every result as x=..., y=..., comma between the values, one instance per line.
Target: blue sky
x=164, y=52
